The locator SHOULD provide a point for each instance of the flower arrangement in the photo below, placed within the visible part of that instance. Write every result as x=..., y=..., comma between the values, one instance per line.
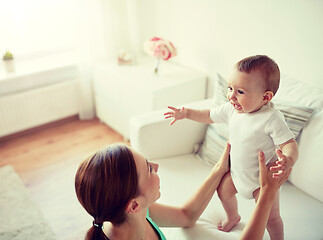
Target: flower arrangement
x=160, y=49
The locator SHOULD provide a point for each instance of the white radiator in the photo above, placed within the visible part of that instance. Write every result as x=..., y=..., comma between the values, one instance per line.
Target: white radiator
x=20, y=111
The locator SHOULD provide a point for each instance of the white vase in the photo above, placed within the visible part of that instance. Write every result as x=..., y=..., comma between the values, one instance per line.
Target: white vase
x=9, y=65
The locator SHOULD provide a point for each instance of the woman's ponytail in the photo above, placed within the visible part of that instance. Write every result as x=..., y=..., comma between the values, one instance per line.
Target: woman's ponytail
x=95, y=233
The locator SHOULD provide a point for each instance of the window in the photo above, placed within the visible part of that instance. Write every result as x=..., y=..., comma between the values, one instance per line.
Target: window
x=36, y=28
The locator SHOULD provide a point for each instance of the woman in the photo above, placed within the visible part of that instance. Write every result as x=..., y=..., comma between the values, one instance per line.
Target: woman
x=118, y=187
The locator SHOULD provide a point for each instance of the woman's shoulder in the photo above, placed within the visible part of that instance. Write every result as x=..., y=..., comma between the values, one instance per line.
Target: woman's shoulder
x=157, y=230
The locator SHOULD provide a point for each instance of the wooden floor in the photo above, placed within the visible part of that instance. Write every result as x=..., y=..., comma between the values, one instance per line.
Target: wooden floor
x=46, y=160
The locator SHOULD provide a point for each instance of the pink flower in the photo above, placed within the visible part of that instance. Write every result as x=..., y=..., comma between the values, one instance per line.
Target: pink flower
x=160, y=48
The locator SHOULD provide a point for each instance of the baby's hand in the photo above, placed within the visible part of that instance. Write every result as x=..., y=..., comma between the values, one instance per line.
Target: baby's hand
x=177, y=114
x=283, y=164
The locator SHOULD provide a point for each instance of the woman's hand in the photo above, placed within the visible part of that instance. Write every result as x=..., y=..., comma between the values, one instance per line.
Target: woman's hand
x=266, y=179
x=283, y=164
x=224, y=162
x=287, y=156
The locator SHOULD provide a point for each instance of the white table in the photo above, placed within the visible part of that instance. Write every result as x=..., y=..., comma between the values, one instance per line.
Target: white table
x=124, y=91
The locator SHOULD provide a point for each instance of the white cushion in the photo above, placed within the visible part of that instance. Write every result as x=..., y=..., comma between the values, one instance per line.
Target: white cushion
x=214, y=142
x=306, y=173
x=216, y=134
x=296, y=92
x=296, y=117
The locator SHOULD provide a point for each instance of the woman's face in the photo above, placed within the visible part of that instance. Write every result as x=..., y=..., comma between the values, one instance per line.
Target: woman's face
x=148, y=179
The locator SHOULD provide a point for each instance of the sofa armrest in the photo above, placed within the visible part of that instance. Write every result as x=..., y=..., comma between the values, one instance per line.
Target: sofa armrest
x=152, y=136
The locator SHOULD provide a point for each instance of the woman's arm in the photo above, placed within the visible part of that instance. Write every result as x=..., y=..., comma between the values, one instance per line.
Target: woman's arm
x=255, y=228
x=187, y=215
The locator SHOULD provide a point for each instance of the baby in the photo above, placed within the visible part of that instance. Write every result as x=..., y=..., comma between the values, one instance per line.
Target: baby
x=254, y=125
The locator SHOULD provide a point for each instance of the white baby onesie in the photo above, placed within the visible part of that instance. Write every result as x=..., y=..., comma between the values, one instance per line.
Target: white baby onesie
x=250, y=133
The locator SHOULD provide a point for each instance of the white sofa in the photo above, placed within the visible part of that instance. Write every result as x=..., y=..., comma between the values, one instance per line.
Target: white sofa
x=181, y=172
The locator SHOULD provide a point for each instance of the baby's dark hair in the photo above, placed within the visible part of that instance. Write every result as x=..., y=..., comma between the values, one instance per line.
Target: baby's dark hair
x=267, y=66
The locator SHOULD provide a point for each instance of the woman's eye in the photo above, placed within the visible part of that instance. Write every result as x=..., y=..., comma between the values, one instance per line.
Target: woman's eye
x=150, y=168
x=230, y=88
x=240, y=92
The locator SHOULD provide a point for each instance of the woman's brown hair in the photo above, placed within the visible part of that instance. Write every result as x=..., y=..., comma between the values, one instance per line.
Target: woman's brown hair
x=104, y=184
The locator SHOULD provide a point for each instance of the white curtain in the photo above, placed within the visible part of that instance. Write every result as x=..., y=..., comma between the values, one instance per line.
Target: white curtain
x=105, y=27
x=90, y=48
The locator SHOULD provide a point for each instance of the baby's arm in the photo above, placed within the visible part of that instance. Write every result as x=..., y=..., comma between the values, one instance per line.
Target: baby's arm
x=287, y=157
x=202, y=116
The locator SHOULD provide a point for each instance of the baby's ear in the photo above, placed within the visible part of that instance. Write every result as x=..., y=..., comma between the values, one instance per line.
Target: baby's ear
x=268, y=95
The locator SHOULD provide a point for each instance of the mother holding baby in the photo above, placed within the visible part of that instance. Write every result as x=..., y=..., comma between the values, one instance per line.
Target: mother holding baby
x=119, y=188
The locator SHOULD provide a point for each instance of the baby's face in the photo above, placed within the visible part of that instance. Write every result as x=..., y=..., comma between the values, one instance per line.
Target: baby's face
x=246, y=91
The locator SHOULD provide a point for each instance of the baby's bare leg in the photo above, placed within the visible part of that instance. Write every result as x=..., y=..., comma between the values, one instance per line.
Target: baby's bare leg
x=226, y=193
x=275, y=225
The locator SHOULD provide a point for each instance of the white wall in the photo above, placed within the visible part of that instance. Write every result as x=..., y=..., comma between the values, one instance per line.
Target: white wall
x=211, y=35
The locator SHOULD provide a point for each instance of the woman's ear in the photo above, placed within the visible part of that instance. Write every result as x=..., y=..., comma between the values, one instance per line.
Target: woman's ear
x=133, y=206
x=268, y=95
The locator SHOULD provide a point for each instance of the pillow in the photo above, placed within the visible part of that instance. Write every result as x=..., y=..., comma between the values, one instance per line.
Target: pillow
x=220, y=91
x=214, y=142
x=299, y=93
x=296, y=117
x=217, y=135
